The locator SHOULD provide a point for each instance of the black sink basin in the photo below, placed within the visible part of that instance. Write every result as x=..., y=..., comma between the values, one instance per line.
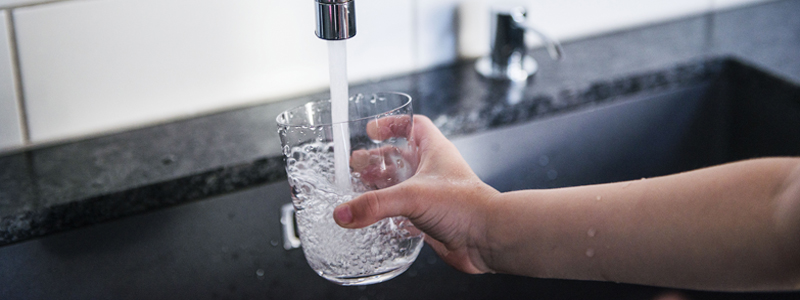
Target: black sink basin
x=738, y=113
x=228, y=247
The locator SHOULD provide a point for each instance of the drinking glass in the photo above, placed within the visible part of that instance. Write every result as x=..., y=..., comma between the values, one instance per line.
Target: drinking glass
x=381, y=153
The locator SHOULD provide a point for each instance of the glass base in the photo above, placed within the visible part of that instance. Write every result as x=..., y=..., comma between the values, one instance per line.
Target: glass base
x=367, y=279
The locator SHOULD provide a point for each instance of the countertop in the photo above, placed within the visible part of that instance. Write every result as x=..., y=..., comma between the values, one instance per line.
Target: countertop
x=81, y=183
x=191, y=164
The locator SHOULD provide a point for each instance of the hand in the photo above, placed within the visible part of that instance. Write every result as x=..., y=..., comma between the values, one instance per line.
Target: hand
x=444, y=199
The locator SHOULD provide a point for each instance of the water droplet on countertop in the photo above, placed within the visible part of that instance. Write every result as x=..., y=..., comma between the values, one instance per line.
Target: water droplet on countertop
x=590, y=252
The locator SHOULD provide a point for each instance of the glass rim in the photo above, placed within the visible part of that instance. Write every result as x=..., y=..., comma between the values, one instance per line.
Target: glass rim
x=406, y=103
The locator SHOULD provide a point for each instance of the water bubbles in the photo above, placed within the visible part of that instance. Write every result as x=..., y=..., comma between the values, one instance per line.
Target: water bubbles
x=334, y=251
x=357, y=98
x=286, y=151
x=273, y=243
x=591, y=232
x=297, y=155
x=599, y=198
x=260, y=273
x=305, y=189
x=400, y=163
x=590, y=252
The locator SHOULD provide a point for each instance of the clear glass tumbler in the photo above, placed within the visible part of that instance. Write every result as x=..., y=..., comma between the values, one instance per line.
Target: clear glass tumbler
x=382, y=153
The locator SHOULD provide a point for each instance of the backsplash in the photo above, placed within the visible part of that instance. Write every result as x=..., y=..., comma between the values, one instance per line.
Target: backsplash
x=89, y=67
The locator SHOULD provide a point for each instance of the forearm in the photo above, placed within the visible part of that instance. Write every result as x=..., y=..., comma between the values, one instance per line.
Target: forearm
x=715, y=228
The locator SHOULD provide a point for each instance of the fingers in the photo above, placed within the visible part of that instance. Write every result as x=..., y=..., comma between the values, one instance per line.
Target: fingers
x=372, y=207
x=363, y=159
x=425, y=129
x=401, y=126
x=422, y=130
x=389, y=127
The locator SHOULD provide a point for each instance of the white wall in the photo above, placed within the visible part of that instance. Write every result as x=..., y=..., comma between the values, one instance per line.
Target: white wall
x=90, y=67
x=15, y=3
x=10, y=124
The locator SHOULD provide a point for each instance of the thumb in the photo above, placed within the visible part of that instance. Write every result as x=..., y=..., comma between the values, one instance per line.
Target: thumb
x=372, y=207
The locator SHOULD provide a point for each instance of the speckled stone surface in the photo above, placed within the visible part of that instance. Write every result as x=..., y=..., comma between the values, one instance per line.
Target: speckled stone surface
x=68, y=186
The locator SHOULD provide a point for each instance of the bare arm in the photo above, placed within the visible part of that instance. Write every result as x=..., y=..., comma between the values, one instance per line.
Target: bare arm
x=730, y=227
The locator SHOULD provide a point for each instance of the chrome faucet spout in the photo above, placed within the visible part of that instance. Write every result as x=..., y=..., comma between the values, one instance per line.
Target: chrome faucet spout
x=336, y=19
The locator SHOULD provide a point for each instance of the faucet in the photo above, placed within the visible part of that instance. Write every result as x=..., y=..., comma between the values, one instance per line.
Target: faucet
x=509, y=58
x=336, y=19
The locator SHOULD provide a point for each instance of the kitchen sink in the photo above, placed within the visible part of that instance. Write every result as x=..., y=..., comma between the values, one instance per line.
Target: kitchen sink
x=229, y=246
x=739, y=113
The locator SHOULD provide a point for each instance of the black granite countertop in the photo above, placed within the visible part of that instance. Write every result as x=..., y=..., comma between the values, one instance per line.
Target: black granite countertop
x=61, y=187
